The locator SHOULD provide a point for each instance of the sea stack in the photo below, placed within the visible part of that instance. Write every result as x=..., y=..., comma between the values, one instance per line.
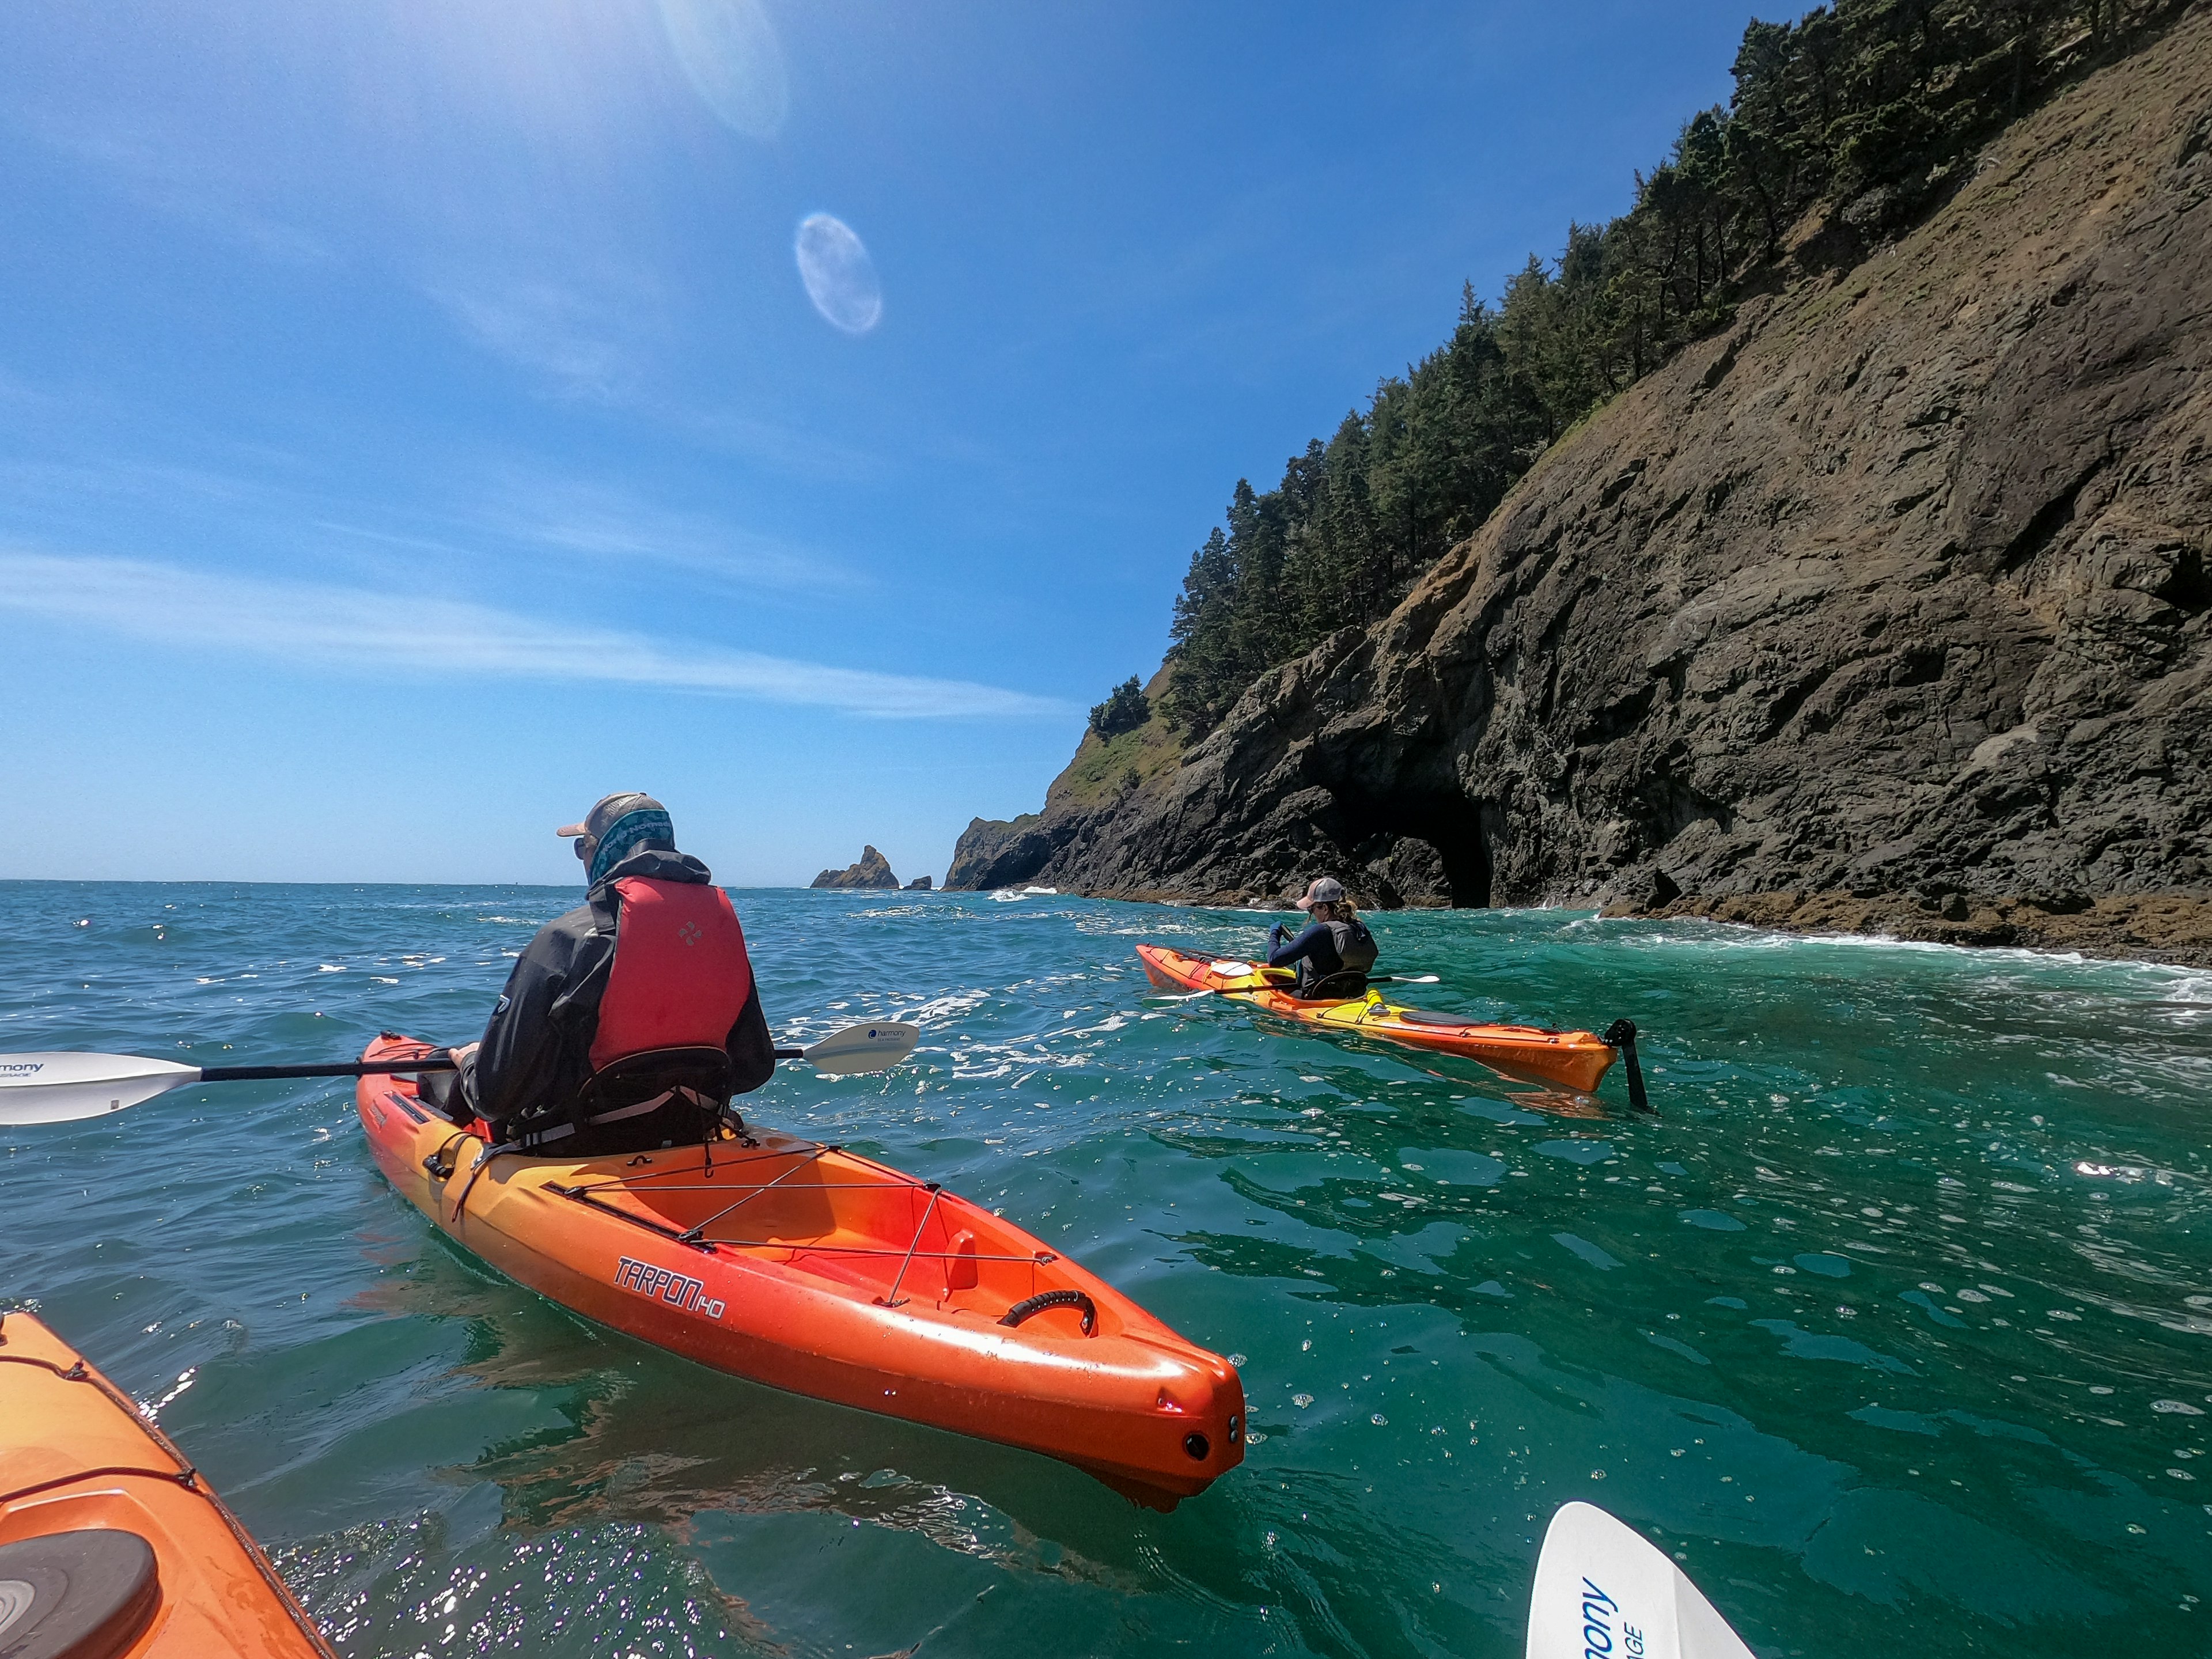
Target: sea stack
x=872, y=871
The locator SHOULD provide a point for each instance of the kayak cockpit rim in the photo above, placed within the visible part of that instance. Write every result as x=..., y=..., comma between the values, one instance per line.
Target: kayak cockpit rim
x=796, y=1246
x=587, y=1194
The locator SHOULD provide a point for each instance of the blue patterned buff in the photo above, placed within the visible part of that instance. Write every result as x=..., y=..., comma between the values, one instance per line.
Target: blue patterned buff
x=625, y=836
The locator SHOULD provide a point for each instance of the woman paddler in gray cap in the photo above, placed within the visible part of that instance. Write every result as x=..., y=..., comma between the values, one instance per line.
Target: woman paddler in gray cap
x=1335, y=952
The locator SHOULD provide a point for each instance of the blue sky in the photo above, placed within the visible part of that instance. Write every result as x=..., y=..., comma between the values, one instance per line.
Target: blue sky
x=418, y=419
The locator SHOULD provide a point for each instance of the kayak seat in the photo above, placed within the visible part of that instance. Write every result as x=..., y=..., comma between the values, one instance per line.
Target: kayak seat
x=638, y=1104
x=1341, y=986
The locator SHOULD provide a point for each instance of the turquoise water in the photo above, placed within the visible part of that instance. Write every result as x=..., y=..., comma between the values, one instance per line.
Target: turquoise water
x=1895, y=1327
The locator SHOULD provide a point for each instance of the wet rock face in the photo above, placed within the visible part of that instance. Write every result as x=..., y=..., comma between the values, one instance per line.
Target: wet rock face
x=919, y=885
x=1898, y=589
x=873, y=871
x=995, y=853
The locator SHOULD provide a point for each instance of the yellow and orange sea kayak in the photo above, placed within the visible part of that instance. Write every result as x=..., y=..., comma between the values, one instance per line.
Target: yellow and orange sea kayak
x=814, y=1269
x=1577, y=1060
x=110, y=1543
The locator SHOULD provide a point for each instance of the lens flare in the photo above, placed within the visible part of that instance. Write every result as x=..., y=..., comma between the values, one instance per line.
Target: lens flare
x=839, y=277
x=729, y=53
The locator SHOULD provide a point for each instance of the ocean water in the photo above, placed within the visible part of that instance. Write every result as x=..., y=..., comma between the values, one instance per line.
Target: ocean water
x=1894, y=1327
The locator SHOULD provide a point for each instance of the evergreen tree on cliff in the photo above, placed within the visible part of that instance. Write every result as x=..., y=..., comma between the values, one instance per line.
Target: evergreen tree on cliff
x=1869, y=106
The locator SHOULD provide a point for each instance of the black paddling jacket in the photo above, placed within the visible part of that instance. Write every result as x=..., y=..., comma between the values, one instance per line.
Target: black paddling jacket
x=537, y=1047
x=1323, y=951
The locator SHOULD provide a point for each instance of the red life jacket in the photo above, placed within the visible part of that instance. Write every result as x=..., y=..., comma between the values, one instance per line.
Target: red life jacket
x=680, y=977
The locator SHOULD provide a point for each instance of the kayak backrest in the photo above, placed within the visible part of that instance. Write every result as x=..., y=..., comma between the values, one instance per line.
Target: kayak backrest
x=1343, y=986
x=639, y=1104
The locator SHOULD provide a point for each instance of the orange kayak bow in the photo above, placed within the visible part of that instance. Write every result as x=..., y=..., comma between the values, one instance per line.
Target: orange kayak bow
x=110, y=1542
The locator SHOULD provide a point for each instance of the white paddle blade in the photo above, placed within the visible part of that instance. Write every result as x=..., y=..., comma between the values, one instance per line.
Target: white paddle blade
x=60, y=1088
x=1603, y=1588
x=859, y=1048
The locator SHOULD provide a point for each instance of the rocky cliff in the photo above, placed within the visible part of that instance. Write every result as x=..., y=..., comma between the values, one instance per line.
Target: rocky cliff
x=1886, y=608
x=872, y=871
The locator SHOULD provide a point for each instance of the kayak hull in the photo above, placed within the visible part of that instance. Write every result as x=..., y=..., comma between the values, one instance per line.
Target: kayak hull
x=1574, y=1060
x=820, y=1272
x=77, y=1461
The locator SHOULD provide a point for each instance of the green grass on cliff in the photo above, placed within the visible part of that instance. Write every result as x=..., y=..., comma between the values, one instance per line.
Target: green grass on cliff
x=1103, y=769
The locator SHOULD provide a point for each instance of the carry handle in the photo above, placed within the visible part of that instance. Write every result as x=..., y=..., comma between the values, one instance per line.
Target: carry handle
x=1044, y=1299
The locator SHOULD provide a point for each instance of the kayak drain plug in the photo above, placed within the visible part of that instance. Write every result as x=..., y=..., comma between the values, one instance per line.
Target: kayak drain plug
x=1195, y=1443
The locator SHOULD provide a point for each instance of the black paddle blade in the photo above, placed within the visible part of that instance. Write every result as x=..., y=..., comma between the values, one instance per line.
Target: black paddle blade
x=1621, y=1034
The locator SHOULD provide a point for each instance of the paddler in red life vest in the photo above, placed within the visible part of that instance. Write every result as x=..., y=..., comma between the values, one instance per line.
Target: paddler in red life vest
x=631, y=1020
x=1334, y=953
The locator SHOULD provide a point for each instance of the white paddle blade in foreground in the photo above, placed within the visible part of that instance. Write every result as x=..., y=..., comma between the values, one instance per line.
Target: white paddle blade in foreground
x=63, y=1087
x=1603, y=1588
x=859, y=1048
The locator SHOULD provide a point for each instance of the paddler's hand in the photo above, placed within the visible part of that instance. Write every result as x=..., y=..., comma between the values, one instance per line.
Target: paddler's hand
x=462, y=1056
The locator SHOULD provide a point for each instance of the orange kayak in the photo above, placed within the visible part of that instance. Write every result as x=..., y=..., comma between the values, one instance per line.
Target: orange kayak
x=110, y=1544
x=1577, y=1060
x=813, y=1269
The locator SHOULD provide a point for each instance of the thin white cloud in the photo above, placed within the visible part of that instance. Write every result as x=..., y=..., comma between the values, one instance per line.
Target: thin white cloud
x=485, y=512
x=170, y=177
x=547, y=329
x=840, y=277
x=349, y=627
x=610, y=528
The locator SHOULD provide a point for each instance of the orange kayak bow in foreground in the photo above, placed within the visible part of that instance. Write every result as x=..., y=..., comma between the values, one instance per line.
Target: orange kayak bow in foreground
x=816, y=1270
x=110, y=1543
x=1575, y=1060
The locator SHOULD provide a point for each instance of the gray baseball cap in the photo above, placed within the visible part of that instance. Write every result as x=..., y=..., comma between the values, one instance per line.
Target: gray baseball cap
x=610, y=810
x=1323, y=890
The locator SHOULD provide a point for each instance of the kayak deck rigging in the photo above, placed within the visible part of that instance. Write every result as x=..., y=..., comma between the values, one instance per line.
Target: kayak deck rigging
x=697, y=1235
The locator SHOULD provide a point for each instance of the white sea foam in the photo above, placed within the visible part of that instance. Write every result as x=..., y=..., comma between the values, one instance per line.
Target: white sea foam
x=939, y=1010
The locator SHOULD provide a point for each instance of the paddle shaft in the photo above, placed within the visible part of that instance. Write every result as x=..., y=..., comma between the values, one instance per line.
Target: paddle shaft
x=69, y=1088
x=432, y=1062
x=438, y=1062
